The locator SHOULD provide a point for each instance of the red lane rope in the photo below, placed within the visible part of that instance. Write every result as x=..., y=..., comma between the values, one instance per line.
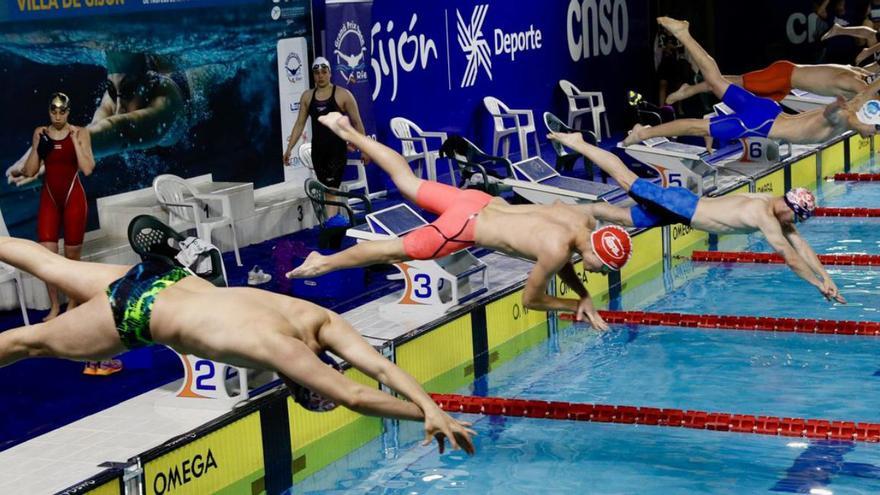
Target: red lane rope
x=757, y=323
x=847, y=212
x=857, y=177
x=700, y=420
x=752, y=257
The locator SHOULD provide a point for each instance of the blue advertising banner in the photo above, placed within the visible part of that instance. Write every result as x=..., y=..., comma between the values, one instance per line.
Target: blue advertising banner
x=433, y=62
x=348, y=26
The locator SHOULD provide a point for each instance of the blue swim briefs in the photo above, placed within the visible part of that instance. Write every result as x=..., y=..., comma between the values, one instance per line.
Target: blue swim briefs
x=754, y=116
x=659, y=206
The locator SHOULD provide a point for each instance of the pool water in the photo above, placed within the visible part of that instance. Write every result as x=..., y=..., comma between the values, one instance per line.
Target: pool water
x=760, y=373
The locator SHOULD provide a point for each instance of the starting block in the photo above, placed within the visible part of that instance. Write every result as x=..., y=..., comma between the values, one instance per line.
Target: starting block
x=803, y=101
x=430, y=285
x=684, y=165
x=538, y=182
x=206, y=379
x=757, y=149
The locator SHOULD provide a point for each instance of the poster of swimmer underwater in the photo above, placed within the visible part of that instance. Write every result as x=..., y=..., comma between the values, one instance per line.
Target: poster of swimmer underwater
x=187, y=87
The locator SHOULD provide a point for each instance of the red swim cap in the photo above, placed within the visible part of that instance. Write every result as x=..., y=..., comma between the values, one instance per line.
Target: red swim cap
x=612, y=245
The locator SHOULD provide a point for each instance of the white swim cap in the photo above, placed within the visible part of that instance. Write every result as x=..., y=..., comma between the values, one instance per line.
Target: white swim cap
x=320, y=62
x=869, y=113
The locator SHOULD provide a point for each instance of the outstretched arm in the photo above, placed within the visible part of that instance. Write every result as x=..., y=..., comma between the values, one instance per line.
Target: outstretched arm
x=806, y=252
x=342, y=339
x=535, y=292
x=293, y=359
x=363, y=254
x=137, y=130
x=773, y=232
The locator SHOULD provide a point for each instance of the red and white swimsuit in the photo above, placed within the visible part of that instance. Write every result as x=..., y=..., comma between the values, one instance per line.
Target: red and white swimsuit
x=63, y=199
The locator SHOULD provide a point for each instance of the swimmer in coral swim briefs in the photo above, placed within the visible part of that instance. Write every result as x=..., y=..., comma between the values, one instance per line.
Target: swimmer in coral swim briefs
x=774, y=217
x=548, y=234
x=777, y=80
x=755, y=116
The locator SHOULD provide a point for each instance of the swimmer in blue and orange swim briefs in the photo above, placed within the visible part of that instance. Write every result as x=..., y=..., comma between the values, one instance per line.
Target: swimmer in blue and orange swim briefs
x=656, y=206
x=755, y=116
x=125, y=307
x=777, y=80
x=548, y=234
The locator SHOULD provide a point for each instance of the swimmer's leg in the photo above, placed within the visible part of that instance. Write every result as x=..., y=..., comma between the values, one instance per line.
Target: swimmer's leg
x=87, y=332
x=386, y=158
x=361, y=254
x=704, y=61
x=686, y=91
x=680, y=127
x=862, y=32
x=607, y=161
x=80, y=280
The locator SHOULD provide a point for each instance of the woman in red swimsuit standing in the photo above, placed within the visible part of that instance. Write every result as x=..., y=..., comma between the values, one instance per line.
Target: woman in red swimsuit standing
x=64, y=150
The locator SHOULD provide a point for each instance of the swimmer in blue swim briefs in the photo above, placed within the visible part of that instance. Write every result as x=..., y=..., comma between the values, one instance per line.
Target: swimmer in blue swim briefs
x=755, y=116
x=656, y=206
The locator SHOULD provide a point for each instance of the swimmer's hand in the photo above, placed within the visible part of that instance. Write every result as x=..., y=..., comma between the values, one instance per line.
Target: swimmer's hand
x=568, y=139
x=441, y=426
x=830, y=291
x=586, y=310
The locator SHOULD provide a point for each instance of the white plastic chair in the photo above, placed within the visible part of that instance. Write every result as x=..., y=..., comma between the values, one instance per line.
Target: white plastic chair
x=8, y=272
x=499, y=111
x=595, y=106
x=359, y=182
x=186, y=209
x=410, y=135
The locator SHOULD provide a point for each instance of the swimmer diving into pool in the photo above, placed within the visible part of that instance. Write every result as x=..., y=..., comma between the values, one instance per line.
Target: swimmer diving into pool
x=547, y=234
x=124, y=307
x=756, y=116
x=733, y=214
x=778, y=79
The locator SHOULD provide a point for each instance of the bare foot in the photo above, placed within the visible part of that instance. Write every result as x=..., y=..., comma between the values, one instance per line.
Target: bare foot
x=679, y=94
x=834, y=31
x=311, y=267
x=53, y=313
x=674, y=26
x=338, y=123
x=634, y=136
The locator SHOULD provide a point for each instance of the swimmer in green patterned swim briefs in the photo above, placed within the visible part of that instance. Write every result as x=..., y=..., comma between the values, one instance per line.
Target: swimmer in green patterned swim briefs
x=123, y=307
